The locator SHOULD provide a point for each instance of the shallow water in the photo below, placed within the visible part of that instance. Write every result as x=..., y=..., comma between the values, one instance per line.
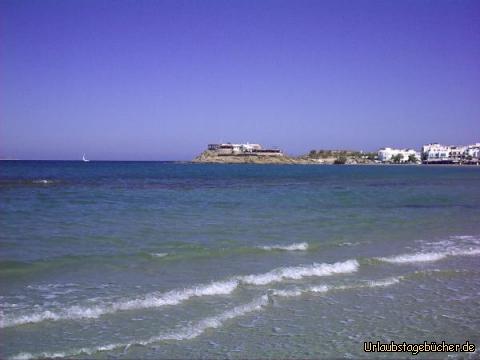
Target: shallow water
x=171, y=260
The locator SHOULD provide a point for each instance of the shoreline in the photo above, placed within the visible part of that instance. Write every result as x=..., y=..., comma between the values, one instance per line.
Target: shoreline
x=211, y=157
x=289, y=161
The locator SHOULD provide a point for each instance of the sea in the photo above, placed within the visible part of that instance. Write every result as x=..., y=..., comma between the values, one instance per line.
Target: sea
x=165, y=260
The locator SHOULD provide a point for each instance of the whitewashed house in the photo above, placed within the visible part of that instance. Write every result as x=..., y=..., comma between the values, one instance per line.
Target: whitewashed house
x=388, y=154
x=436, y=152
x=473, y=151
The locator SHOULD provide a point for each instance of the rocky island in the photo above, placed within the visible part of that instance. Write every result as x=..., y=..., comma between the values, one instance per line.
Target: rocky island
x=229, y=153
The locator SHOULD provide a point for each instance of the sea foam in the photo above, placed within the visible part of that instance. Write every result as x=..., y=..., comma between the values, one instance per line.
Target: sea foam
x=160, y=255
x=324, y=288
x=185, y=333
x=429, y=256
x=42, y=181
x=299, y=272
x=293, y=247
x=175, y=297
x=151, y=300
x=190, y=332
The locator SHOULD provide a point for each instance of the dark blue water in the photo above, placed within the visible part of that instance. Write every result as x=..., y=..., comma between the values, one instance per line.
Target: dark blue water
x=175, y=260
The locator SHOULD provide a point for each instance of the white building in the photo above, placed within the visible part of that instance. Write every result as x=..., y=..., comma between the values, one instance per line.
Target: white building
x=458, y=152
x=389, y=154
x=242, y=149
x=473, y=151
x=438, y=153
x=250, y=147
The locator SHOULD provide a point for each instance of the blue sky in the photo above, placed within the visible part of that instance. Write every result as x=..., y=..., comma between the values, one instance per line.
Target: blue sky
x=158, y=80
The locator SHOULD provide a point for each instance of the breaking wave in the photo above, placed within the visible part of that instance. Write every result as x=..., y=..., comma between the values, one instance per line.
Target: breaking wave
x=159, y=255
x=325, y=288
x=187, y=332
x=299, y=272
x=172, y=297
x=429, y=256
x=175, y=297
x=190, y=332
x=42, y=181
x=293, y=247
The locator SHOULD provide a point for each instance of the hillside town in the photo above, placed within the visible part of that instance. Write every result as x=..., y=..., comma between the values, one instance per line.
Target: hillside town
x=433, y=153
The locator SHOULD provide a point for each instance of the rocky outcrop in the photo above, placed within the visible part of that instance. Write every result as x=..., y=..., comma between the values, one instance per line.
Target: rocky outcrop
x=209, y=156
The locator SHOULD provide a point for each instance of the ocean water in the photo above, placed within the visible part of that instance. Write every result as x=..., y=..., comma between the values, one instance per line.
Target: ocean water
x=170, y=260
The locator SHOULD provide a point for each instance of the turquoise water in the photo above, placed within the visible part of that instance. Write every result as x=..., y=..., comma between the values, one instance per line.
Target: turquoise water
x=171, y=260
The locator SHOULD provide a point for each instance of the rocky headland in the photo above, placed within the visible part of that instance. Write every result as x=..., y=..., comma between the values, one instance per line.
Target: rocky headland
x=322, y=157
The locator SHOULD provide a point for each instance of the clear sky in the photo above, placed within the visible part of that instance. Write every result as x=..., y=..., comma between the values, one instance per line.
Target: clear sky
x=158, y=80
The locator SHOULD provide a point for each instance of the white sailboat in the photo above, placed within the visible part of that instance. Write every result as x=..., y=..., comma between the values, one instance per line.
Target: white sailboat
x=84, y=158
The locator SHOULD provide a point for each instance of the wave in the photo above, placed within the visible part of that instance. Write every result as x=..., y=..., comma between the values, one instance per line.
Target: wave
x=464, y=237
x=347, y=243
x=175, y=297
x=384, y=282
x=190, y=332
x=176, y=252
x=428, y=256
x=43, y=181
x=187, y=332
x=28, y=182
x=299, y=272
x=293, y=247
x=325, y=288
x=159, y=255
x=172, y=297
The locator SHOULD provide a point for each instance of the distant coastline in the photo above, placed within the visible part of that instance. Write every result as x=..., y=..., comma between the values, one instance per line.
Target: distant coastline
x=432, y=154
x=335, y=157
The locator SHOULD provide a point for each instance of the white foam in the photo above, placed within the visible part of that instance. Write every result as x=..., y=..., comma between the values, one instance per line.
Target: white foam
x=299, y=272
x=429, y=256
x=384, y=282
x=188, y=332
x=347, y=243
x=288, y=293
x=413, y=258
x=42, y=181
x=325, y=288
x=173, y=297
x=463, y=237
x=319, y=288
x=159, y=254
x=293, y=247
x=465, y=252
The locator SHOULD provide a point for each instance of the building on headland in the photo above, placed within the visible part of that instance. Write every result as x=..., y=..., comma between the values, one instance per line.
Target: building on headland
x=229, y=149
x=436, y=153
x=398, y=155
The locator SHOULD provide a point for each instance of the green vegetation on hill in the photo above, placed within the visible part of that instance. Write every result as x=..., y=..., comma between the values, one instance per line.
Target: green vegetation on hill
x=340, y=156
x=324, y=154
x=313, y=157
